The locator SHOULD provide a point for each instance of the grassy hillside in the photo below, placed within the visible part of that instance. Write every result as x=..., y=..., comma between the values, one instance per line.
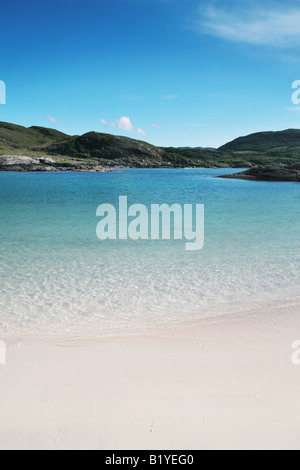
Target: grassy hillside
x=92, y=147
x=264, y=141
x=19, y=140
x=262, y=148
x=97, y=146
x=281, y=147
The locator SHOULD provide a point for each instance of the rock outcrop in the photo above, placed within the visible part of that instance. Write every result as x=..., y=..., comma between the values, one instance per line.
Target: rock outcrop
x=270, y=173
x=26, y=164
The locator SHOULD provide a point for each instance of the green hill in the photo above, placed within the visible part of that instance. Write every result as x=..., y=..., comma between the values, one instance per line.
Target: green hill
x=97, y=146
x=18, y=140
x=282, y=147
x=262, y=148
x=264, y=141
x=92, y=147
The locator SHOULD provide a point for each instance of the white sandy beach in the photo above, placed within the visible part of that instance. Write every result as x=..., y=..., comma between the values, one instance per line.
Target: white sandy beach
x=223, y=384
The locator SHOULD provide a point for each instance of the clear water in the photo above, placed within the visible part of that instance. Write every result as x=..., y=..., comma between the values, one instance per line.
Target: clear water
x=58, y=280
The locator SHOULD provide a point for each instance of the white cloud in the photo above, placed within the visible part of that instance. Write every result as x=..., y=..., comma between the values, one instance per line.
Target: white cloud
x=270, y=26
x=107, y=124
x=53, y=120
x=156, y=126
x=123, y=123
x=141, y=132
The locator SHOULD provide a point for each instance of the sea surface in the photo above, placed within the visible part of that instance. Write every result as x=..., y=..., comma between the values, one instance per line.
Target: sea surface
x=58, y=280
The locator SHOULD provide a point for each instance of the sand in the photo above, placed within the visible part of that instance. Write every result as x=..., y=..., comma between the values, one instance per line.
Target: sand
x=227, y=383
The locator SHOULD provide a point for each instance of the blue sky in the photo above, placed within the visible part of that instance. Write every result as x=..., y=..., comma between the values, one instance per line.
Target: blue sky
x=171, y=72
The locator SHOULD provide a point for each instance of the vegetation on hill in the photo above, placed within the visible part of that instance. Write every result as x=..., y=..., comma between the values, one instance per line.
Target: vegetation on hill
x=17, y=140
x=264, y=141
x=264, y=148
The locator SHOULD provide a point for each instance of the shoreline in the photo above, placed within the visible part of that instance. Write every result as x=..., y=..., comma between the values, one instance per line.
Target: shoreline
x=42, y=337
x=99, y=169
x=22, y=164
x=226, y=384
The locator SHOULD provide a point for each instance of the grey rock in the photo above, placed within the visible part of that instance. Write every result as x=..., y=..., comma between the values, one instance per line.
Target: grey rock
x=47, y=161
x=269, y=173
x=243, y=164
x=295, y=166
x=11, y=160
x=26, y=164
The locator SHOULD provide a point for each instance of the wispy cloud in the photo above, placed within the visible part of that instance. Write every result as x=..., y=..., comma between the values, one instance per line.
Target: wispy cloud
x=53, y=120
x=123, y=123
x=269, y=25
x=108, y=124
x=156, y=126
x=141, y=132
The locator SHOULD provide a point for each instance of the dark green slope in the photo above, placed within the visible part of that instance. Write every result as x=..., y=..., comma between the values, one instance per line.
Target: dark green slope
x=93, y=147
x=264, y=141
x=97, y=146
x=262, y=148
x=266, y=148
x=19, y=140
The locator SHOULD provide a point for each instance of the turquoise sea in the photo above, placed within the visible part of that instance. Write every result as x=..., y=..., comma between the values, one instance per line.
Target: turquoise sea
x=57, y=280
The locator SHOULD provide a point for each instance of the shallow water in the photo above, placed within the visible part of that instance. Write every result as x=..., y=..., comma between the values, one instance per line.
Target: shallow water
x=58, y=280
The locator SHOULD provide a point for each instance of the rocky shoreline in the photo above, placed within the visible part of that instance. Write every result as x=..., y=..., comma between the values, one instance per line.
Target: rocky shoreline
x=289, y=173
x=47, y=164
x=26, y=164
